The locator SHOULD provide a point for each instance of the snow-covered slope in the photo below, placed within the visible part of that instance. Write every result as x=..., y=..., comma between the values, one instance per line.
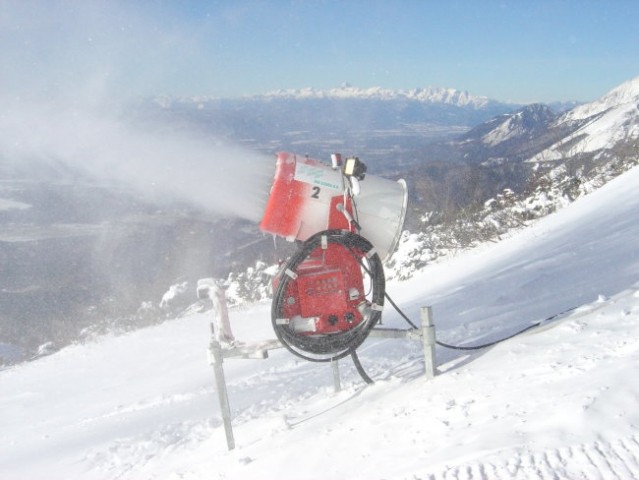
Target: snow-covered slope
x=601, y=125
x=558, y=402
x=522, y=125
x=627, y=92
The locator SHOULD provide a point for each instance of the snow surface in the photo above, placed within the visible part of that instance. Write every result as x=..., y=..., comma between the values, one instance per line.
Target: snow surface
x=557, y=402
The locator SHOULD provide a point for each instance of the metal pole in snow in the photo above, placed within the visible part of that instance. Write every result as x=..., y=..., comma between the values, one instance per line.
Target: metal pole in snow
x=336, y=379
x=428, y=339
x=222, y=394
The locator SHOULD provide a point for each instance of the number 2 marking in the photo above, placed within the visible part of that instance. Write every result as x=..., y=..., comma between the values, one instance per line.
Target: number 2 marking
x=316, y=191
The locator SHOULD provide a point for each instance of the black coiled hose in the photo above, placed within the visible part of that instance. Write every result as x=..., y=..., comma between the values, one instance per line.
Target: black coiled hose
x=325, y=348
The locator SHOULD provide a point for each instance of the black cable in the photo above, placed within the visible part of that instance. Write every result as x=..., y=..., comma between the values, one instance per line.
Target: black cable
x=360, y=369
x=485, y=345
x=401, y=313
x=386, y=295
x=490, y=344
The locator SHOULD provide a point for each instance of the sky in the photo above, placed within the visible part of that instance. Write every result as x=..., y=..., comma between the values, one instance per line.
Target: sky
x=506, y=50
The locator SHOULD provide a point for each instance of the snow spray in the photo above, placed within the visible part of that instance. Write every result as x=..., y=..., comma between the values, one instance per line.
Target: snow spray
x=160, y=163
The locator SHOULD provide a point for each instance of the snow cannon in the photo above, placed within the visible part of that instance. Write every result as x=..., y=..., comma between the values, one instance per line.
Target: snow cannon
x=330, y=293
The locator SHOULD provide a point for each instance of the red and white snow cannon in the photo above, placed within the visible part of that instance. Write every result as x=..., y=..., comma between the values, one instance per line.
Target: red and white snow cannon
x=330, y=293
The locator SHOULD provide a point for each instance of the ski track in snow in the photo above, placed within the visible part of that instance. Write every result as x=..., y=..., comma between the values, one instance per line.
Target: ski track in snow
x=605, y=459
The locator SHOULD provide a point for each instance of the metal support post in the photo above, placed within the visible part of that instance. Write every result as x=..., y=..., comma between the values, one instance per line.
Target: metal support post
x=428, y=339
x=336, y=379
x=216, y=350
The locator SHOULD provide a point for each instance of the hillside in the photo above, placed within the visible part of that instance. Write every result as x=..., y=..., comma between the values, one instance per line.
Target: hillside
x=554, y=403
x=532, y=160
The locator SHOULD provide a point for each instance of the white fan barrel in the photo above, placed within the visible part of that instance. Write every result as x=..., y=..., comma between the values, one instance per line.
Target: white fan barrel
x=306, y=192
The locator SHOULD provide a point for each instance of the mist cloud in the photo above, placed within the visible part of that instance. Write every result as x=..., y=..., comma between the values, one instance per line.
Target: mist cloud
x=70, y=68
x=160, y=163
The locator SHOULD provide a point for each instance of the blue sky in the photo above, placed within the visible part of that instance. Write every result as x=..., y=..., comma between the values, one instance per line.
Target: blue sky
x=521, y=51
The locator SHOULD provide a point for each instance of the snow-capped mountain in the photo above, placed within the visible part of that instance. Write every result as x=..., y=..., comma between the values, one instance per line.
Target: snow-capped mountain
x=609, y=123
x=521, y=125
x=434, y=95
x=508, y=133
x=504, y=141
x=536, y=134
x=548, y=161
x=627, y=92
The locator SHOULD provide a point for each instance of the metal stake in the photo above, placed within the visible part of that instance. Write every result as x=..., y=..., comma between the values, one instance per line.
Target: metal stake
x=216, y=350
x=336, y=379
x=428, y=339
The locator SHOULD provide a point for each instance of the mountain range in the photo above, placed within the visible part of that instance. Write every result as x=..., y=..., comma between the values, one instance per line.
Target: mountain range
x=536, y=134
x=388, y=126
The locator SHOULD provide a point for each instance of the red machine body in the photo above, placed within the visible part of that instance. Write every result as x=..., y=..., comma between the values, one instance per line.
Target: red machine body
x=325, y=295
x=321, y=292
x=328, y=286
